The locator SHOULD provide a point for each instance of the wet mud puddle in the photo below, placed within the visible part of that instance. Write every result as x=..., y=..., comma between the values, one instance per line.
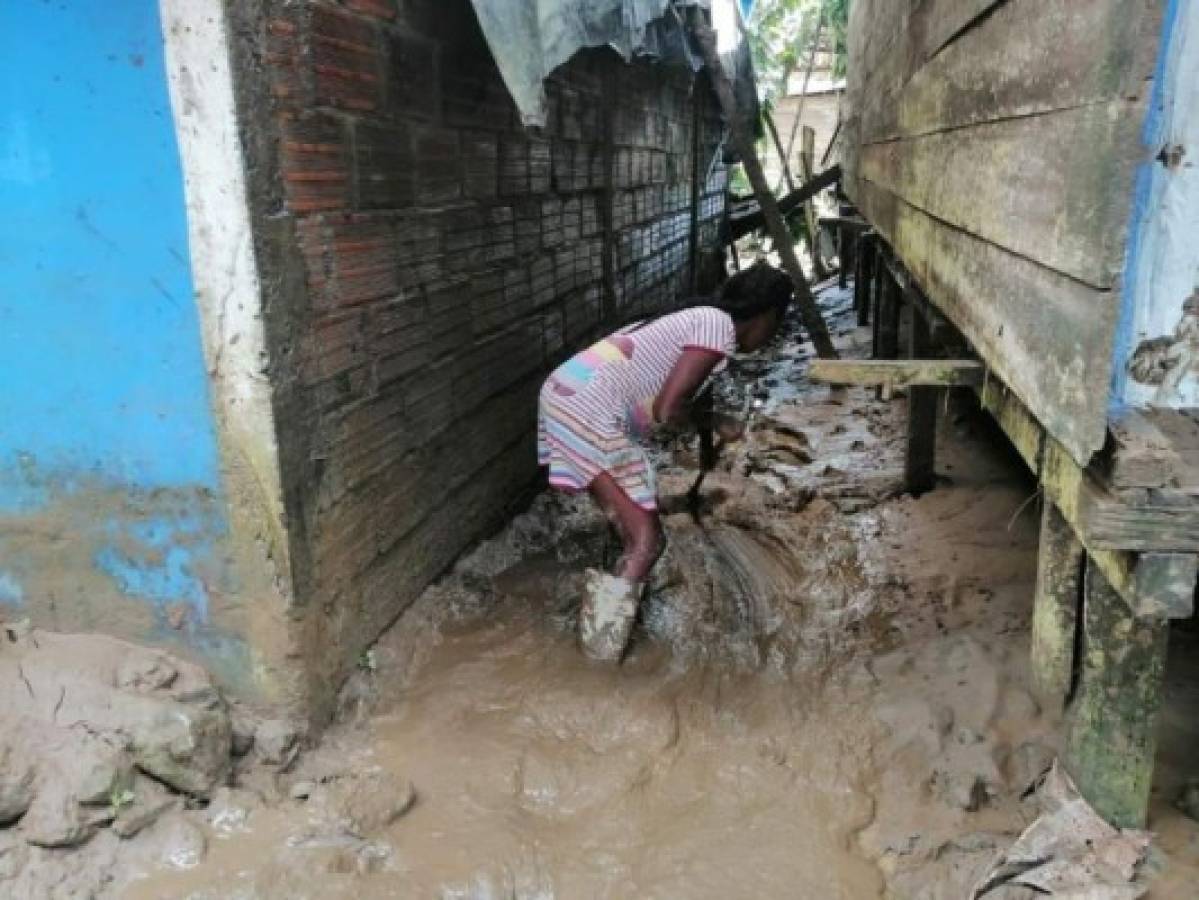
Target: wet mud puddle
x=824, y=699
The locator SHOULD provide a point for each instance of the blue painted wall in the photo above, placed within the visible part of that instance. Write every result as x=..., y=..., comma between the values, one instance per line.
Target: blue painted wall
x=103, y=374
x=103, y=390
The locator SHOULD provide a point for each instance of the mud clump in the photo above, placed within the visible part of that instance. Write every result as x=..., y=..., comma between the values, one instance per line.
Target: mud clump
x=100, y=737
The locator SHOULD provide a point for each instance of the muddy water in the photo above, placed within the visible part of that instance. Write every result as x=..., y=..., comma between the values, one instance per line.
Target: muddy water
x=825, y=697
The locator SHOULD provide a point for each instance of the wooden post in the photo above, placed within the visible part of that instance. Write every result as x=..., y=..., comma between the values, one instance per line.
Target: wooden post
x=919, y=468
x=813, y=319
x=868, y=255
x=887, y=328
x=1060, y=559
x=807, y=162
x=1112, y=732
x=843, y=239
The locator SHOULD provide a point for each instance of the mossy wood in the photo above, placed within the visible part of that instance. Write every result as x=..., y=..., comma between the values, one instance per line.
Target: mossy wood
x=1060, y=559
x=1112, y=720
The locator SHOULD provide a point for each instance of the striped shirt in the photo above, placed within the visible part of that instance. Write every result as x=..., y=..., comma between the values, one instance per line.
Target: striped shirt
x=597, y=401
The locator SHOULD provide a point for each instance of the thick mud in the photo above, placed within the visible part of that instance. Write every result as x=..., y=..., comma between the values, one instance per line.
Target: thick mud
x=825, y=696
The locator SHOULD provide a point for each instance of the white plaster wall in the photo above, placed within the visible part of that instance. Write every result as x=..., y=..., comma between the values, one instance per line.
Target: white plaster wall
x=1164, y=260
x=229, y=300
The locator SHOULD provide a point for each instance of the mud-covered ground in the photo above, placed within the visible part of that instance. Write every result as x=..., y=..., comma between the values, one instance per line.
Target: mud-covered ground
x=826, y=696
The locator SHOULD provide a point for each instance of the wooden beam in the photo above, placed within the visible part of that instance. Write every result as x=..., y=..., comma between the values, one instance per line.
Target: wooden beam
x=898, y=372
x=1152, y=584
x=1137, y=520
x=750, y=217
x=845, y=223
x=1111, y=735
x=1060, y=560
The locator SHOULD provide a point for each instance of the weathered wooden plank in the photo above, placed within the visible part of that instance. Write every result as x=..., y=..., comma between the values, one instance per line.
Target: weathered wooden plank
x=1029, y=57
x=898, y=372
x=1060, y=559
x=1137, y=521
x=1054, y=188
x=1112, y=734
x=1153, y=584
x=1138, y=454
x=920, y=457
x=1047, y=337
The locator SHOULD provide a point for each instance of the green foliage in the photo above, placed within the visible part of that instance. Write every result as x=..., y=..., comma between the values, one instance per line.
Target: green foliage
x=781, y=34
x=838, y=23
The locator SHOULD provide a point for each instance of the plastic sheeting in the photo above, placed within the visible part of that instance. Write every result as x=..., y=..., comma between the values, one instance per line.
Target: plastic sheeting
x=531, y=38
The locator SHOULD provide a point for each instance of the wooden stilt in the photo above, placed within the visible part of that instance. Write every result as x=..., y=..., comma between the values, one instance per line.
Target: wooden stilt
x=865, y=279
x=843, y=239
x=920, y=461
x=1055, y=613
x=1112, y=731
x=887, y=346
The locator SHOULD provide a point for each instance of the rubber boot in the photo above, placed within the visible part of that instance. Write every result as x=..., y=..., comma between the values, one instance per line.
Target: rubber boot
x=606, y=614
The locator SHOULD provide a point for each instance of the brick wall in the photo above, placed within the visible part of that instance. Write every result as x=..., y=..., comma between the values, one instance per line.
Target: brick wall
x=432, y=259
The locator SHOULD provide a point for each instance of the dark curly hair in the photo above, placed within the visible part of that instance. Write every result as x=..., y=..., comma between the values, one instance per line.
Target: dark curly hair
x=754, y=291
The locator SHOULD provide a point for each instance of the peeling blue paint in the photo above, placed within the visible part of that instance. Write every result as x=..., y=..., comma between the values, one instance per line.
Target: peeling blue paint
x=165, y=560
x=1145, y=188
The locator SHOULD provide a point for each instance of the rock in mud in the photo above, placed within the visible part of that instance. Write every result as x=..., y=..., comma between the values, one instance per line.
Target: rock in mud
x=134, y=819
x=181, y=843
x=364, y=804
x=146, y=671
x=16, y=784
x=56, y=818
x=277, y=742
x=103, y=773
x=185, y=745
x=61, y=686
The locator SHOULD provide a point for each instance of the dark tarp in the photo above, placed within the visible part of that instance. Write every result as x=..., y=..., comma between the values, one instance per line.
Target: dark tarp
x=531, y=38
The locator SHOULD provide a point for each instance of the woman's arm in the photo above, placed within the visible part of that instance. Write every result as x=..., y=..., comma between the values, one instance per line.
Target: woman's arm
x=671, y=406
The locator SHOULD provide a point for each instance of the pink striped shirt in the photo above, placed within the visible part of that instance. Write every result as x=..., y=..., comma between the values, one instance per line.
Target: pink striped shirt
x=623, y=374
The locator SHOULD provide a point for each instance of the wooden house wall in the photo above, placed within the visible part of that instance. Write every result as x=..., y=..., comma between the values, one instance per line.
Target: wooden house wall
x=994, y=146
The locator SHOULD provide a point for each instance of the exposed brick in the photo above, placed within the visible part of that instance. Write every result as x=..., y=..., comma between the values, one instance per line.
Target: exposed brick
x=383, y=176
x=345, y=60
x=314, y=158
x=438, y=156
x=412, y=75
x=363, y=264
x=450, y=256
x=383, y=9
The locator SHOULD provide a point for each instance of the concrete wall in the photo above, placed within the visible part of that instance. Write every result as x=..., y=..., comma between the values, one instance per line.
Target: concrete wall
x=424, y=260
x=115, y=504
